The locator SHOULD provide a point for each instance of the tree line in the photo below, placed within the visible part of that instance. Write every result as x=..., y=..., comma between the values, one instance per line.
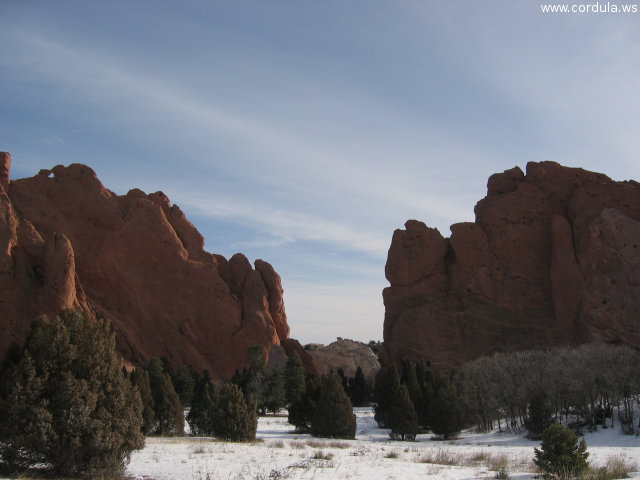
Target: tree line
x=584, y=385
x=69, y=405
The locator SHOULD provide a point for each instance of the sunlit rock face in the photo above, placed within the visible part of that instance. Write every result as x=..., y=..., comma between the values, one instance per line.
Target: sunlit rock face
x=346, y=355
x=68, y=242
x=553, y=258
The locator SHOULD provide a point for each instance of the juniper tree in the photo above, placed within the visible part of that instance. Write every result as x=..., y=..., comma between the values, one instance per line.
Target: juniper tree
x=234, y=417
x=333, y=416
x=359, y=389
x=294, y=379
x=401, y=417
x=301, y=412
x=140, y=379
x=387, y=385
x=168, y=410
x=560, y=455
x=184, y=383
x=274, y=394
x=445, y=414
x=222, y=411
x=65, y=401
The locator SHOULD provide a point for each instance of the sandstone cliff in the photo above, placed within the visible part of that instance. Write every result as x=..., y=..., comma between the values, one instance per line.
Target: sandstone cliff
x=553, y=258
x=68, y=242
x=347, y=355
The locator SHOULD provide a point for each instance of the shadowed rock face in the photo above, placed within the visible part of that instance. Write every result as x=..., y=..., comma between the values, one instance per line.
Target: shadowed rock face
x=553, y=258
x=68, y=242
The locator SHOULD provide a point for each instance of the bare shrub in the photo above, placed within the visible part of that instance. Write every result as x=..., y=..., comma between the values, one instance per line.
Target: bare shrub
x=439, y=456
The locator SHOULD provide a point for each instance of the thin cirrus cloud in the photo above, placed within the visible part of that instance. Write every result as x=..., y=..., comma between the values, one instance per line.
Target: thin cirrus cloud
x=304, y=135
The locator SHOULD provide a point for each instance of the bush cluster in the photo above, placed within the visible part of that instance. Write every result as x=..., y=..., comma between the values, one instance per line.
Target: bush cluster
x=585, y=385
x=418, y=398
x=323, y=409
x=65, y=401
x=224, y=412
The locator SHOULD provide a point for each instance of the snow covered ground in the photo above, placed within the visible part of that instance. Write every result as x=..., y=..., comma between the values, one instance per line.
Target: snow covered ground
x=278, y=453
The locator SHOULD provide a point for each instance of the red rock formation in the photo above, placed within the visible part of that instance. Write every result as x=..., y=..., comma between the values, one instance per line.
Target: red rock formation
x=553, y=258
x=347, y=355
x=68, y=242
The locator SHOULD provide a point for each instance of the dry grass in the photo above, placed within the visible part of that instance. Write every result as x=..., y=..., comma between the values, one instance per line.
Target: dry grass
x=497, y=462
x=276, y=444
x=617, y=466
x=439, y=456
x=200, y=448
x=317, y=443
x=321, y=455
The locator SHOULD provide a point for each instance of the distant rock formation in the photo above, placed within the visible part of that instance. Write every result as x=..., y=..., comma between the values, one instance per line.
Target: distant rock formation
x=553, y=258
x=346, y=355
x=68, y=242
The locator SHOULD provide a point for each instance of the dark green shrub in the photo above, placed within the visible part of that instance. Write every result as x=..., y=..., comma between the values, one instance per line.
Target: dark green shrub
x=140, y=379
x=386, y=387
x=401, y=417
x=445, y=414
x=333, y=416
x=560, y=455
x=234, y=417
x=294, y=380
x=301, y=412
x=273, y=398
x=540, y=415
x=223, y=411
x=65, y=402
x=359, y=389
x=169, y=415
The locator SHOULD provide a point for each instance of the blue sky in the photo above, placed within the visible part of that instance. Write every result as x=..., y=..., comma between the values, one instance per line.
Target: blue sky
x=305, y=132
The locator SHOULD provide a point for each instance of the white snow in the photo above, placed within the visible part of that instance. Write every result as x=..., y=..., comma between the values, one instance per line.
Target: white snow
x=280, y=453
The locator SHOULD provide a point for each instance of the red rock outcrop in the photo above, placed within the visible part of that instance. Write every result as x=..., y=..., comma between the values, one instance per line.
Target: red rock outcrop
x=347, y=355
x=553, y=258
x=68, y=242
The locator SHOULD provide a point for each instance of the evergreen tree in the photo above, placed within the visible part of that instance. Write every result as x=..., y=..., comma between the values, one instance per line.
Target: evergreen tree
x=333, y=416
x=168, y=410
x=540, y=415
x=65, y=401
x=234, y=417
x=274, y=395
x=387, y=385
x=301, y=412
x=445, y=414
x=184, y=383
x=202, y=412
x=294, y=383
x=410, y=379
x=253, y=382
x=222, y=411
x=401, y=417
x=560, y=455
x=344, y=380
x=359, y=389
x=140, y=379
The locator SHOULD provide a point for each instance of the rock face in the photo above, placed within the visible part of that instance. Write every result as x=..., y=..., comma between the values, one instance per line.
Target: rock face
x=68, y=242
x=346, y=355
x=552, y=259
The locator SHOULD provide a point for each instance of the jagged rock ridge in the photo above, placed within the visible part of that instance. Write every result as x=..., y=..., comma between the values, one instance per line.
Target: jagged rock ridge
x=68, y=242
x=553, y=258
